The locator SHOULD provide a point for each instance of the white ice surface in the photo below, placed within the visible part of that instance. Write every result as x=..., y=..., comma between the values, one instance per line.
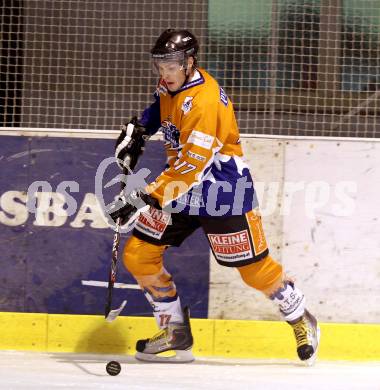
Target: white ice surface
x=37, y=371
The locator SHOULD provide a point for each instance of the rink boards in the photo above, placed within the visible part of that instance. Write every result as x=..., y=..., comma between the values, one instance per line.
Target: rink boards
x=326, y=236
x=223, y=338
x=54, y=250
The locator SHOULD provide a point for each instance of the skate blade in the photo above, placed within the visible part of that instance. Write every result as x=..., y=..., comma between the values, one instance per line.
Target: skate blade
x=172, y=356
x=310, y=362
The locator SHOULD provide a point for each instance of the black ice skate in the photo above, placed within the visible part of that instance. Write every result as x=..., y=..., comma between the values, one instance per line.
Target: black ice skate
x=171, y=345
x=307, y=333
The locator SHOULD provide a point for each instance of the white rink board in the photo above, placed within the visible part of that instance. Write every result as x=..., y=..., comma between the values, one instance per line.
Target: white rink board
x=36, y=371
x=328, y=240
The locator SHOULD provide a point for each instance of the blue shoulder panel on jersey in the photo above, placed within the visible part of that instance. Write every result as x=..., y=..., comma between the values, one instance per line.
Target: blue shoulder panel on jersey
x=150, y=117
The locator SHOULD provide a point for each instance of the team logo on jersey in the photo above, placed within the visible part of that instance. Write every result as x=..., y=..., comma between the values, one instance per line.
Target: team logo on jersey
x=223, y=97
x=187, y=104
x=171, y=133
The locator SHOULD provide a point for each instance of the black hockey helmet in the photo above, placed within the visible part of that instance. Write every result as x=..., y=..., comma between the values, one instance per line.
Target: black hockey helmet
x=175, y=44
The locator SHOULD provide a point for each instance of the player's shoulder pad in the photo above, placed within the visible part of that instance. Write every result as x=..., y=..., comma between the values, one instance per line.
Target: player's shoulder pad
x=216, y=89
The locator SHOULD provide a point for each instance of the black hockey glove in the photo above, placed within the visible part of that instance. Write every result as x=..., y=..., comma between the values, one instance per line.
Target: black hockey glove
x=130, y=144
x=125, y=207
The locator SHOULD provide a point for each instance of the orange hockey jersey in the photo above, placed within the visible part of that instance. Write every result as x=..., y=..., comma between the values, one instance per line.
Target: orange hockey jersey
x=205, y=174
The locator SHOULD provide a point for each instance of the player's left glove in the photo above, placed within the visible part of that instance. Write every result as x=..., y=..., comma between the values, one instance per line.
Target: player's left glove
x=130, y=144
x=125, y=207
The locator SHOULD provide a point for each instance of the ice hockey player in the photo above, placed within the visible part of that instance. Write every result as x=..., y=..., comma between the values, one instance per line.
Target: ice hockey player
x=205, y=184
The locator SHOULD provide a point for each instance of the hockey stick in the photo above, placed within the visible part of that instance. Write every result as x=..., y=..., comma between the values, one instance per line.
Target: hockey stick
x=110, y=315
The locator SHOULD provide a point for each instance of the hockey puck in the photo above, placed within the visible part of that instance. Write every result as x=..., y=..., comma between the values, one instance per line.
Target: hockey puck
x=113, y=368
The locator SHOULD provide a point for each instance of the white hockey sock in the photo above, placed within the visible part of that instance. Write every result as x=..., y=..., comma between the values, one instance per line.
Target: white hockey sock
x=166, y=312
x=291, y=301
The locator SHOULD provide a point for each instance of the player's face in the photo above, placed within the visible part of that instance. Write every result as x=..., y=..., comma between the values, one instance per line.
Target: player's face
x=172, y=73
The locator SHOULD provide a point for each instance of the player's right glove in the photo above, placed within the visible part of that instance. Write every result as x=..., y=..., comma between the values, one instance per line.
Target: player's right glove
x=130, y=144
x=126, y=206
